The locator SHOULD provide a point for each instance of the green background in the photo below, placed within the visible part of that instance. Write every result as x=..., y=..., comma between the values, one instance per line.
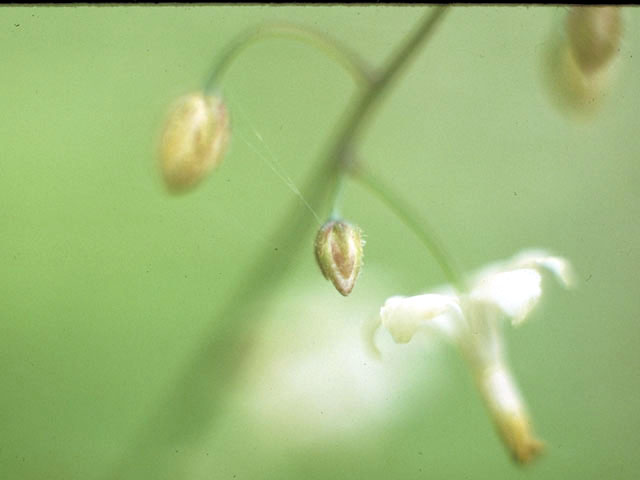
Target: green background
x=108, y=284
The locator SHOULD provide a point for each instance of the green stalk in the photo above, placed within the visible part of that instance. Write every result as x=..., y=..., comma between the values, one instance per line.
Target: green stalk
x=343, y=147
x=410, y=218
x=198, y=395
x=349, y=60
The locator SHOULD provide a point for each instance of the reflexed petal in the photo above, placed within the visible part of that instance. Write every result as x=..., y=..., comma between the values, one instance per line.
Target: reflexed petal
x=404, y=316
x=515, y=292
x=559, y=266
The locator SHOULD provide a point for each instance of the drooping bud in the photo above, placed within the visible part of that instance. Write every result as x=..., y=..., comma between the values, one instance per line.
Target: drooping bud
x=194, y=140
x=338, y=249
x=581, y=60
x=594, y=35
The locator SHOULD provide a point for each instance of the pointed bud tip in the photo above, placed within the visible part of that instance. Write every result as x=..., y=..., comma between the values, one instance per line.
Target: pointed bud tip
x=194, y=140
x=338, y=251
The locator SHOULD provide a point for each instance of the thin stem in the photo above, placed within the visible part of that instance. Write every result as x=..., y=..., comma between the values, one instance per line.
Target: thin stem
x=351, y=62
x=199, y=392
x=336, y=201
x=369, y=98
x=410, y=218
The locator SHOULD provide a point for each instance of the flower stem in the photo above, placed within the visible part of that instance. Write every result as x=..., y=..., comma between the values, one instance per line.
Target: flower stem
x=411, y=219
x=341, y=153
x=198, y=394
x=337, y=197
x=351, y=62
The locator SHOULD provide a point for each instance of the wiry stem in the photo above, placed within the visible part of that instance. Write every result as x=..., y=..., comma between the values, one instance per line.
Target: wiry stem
x=199, y=392
x=348, y=59
x=412, y=220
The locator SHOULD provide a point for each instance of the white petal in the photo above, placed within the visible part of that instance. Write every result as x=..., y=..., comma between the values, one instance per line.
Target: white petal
x=515, y=292
x=501, y=390
x=404, y=316
x=559, y=266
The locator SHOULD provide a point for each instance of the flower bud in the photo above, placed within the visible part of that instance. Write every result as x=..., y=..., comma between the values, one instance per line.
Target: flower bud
x=338, y=250
x=194, y=140
x=594, y=36
x=581, y=60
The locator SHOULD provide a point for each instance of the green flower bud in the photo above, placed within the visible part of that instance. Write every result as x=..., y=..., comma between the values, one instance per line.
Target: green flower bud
x=194, y=140
x=594, y=36
x=338, y=249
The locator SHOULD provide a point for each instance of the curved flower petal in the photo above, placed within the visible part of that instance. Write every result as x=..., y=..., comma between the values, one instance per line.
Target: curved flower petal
x=515, y=286
x=515, y=292
x=541, y=259
x=404, y=316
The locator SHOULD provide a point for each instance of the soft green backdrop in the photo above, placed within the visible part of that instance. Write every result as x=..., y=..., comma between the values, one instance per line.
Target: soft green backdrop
x=107, y=283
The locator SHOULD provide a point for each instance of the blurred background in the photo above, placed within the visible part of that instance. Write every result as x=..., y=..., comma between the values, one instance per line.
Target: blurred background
x=109, y=286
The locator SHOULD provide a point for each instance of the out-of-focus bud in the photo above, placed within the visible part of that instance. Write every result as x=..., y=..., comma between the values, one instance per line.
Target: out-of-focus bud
x=581, y=59
x=338, y=250
x=194, y=140
x=594, y=35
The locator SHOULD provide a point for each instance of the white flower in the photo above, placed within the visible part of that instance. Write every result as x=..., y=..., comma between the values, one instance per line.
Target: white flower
x=471, y=320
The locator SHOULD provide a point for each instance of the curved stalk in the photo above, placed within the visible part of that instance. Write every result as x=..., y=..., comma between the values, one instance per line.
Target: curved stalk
x=349, y=60
x=198, y=395
x=410, y=218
